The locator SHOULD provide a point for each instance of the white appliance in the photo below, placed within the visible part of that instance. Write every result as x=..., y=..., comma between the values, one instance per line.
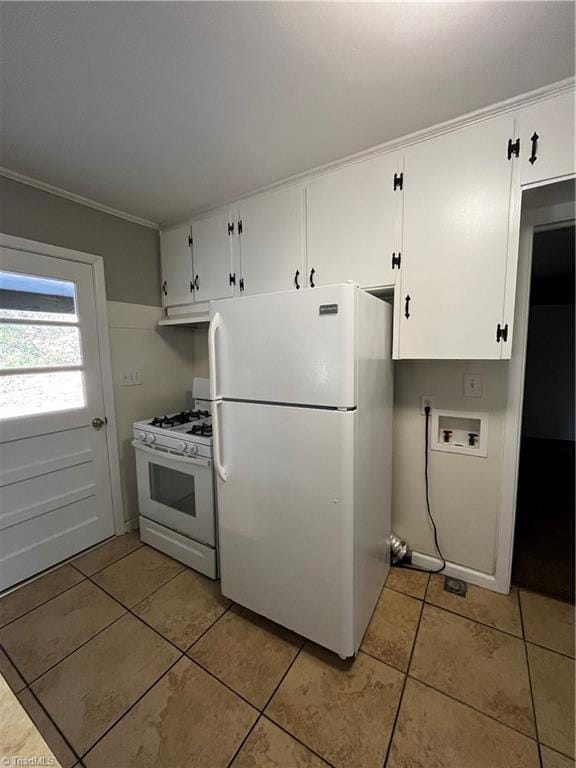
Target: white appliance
x=302, y=384
x=176, y=483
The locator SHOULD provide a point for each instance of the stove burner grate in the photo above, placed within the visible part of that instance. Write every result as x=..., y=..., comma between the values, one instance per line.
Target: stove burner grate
x=177, y=419
x=204, y=430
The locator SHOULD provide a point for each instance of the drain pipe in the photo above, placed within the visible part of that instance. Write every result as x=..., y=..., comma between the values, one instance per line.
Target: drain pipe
x=399, y=550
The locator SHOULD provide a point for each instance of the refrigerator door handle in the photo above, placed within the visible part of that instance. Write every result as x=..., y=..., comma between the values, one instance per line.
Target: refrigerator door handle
x=220, y=470
x=215, y=323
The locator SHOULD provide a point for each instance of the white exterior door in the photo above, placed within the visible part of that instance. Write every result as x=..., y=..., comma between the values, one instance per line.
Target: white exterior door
x=177, y=274
x=272, y=241
x=55, y=496
x=456, y=222
x=212, y=253
x=286, y=519
x=351, y=224
x=288, y=347
x=547, y=145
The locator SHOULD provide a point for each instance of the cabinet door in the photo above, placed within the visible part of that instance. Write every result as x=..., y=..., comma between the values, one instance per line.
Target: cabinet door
x=547, y=144
x=212, y=257
x=351, y=218
x=455, y=238
x=176, y=261
x=271, y=235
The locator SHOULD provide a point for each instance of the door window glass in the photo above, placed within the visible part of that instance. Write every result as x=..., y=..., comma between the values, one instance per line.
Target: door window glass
x=40, y=346
x=173, y=489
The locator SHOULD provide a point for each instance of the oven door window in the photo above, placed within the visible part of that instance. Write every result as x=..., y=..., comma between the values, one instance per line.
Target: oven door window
x=172, y=488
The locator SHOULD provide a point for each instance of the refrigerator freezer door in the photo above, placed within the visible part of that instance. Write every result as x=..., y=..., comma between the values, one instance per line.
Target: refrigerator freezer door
x=295, y=347
x=286, y=517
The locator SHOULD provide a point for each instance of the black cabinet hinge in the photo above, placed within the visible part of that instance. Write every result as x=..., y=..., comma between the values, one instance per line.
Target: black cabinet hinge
x=513, y=148
x=398, y=181
x=231, y=228
x=232, y=278
x=396, y=260
x=241, y=283
x=190, y=241
x=502, y=332
x=240, y=227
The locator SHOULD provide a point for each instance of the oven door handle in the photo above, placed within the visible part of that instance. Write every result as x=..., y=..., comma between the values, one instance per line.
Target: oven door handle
x=220, y=469
x=199, y=461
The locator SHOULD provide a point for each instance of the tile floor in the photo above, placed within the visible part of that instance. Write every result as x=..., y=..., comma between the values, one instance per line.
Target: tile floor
x=127, y=658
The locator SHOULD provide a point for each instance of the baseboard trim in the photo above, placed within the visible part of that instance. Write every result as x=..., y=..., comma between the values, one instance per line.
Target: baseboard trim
x=485, y=580
x=131, y=524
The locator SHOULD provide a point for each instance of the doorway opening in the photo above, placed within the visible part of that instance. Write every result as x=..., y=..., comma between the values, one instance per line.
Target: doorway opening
x=544, y=535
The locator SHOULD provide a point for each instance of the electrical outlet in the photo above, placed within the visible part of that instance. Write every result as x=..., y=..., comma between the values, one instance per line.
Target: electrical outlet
x=131, y=377
x=424, y=401
x=472, y=385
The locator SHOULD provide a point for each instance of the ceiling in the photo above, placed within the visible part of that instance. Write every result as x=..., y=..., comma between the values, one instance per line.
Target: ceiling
x=162, y=109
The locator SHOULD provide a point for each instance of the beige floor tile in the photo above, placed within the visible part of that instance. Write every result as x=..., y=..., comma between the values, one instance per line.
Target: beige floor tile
x=187, y=720
x=270, y=747
x=33, y=594
x=552, y=759
x=19, y=737
x=50, y=632
x=47, y=729
x=390, y=634
x=184, y=608
x=10, y=673
x=553, y=688
x=137, y=575
x=344, y=711
x=248, y=653
x=87, y=692
x=499, y=611
x=410, y=582
x=107, y=553
x=548, y=622
x=475, y=664
x=434, y=731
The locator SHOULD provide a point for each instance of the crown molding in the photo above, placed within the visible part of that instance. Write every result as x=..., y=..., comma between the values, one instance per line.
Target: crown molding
x=513, y=104
x=42, y=185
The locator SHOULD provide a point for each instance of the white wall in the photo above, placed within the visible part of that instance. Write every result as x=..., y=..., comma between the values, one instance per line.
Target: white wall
x=464, y=490
x=166, y=358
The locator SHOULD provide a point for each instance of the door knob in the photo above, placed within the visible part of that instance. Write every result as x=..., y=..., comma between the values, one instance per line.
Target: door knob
x=98, y=423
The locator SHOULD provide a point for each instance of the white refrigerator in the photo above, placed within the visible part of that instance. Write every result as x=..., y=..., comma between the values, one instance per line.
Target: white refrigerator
x=302, y=416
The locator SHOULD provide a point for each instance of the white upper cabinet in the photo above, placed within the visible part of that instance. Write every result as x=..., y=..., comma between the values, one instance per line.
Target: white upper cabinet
x=351, y=224
x=457, y=191
x=176, y=263
x=212, y=249
x=271, y=238
x=547, y=144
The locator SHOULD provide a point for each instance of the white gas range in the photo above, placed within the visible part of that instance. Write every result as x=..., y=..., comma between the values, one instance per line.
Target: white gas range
x=176, y=485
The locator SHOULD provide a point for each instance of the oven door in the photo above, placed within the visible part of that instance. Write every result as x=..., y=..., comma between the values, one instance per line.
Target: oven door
x=176, y=491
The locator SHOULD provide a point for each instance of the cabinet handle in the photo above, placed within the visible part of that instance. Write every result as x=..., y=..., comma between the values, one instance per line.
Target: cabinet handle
x=296, y=283
x=196, y=283
x=312, y=273
x=191, y=287
x=164, y=288
x=407, y=307
x=534, y=156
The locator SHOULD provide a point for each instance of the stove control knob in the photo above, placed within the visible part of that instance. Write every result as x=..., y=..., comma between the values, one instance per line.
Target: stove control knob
x=181, y=445
x=150, y=438
x=193, y=450
x=140, y=436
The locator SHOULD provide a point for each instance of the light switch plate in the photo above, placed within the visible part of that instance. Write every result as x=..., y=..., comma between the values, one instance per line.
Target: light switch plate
x=472, y=385
x=131, y=377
